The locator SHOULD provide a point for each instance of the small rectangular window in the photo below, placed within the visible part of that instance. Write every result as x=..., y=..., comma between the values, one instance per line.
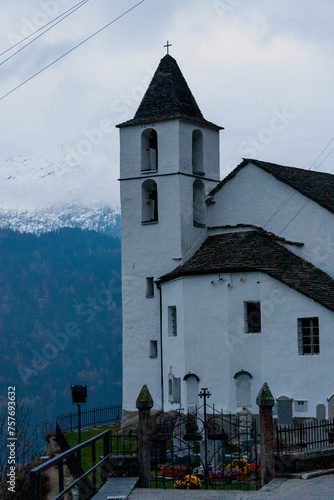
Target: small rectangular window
x=172, y=321
x=153, y=348
x=308, y=336
x=300, y=406
x=149, y=287
x=252, y=317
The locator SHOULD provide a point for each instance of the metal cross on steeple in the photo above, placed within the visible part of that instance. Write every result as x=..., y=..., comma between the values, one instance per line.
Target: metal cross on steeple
x=168, y=45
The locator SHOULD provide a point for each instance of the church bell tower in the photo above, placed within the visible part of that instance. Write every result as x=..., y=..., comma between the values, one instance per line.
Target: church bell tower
x=169, y=161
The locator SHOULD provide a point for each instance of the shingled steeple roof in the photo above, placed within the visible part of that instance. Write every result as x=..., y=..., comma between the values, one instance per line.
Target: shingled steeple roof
x=168, y=96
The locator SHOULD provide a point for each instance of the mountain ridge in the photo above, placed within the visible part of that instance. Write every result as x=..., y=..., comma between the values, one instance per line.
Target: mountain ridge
x=95, y=218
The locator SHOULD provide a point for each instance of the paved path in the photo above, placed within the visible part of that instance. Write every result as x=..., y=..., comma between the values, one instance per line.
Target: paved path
x=299, y=489
x=158, y=494
x=321, y=488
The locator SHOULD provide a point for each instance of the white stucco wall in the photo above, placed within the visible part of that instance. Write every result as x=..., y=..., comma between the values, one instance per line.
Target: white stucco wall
x=255, y=197
x=210, y=149
x=212, y=342
x=174, y=148
x=151, y=250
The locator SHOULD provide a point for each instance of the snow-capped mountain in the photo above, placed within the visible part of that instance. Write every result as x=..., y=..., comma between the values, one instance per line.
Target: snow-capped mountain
x=44, y=193
x=102, y=219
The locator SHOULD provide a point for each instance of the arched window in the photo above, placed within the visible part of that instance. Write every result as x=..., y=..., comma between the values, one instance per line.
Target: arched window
x=243, y=388
x=149, y=201
x=198, y=203
x=149, y=150
x=197, y=152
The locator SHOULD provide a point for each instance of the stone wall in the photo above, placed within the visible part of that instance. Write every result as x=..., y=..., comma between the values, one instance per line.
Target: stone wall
x=304, y=461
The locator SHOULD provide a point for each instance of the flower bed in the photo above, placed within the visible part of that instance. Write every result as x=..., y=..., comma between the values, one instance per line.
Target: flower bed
x=173, y=472
x=237, y=470
x=188, y=482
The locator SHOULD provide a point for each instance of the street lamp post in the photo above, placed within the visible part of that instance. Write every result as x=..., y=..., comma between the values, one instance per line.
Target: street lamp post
x=79, y=396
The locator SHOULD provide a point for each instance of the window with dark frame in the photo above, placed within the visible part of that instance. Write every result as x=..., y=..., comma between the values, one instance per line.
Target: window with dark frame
x=149, y=287
x=172, y=324
x=153, y=348
x=252, y=317
x=308, y=336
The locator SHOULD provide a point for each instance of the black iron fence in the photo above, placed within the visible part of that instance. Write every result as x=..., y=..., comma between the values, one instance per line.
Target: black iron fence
x=90, y=418
x=220, y=450
x=206, y=448
x=123, y=443
x=304, y=436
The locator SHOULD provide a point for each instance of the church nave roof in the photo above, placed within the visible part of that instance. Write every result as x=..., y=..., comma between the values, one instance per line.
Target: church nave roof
x=254, y=251
x=317, y=186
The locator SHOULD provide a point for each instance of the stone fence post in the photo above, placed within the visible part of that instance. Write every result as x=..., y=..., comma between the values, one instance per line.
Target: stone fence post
x=265, y=401
x=144, y=404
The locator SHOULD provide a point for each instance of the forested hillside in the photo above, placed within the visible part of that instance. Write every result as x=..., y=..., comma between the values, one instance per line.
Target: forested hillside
x=60, y=318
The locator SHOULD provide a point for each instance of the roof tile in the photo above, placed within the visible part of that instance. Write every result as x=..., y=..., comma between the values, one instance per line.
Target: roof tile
x=317, y=186
x=252, y=251
x=168, y=96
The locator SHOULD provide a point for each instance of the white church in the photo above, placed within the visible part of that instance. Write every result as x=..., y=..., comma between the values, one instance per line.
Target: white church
x=227, y=284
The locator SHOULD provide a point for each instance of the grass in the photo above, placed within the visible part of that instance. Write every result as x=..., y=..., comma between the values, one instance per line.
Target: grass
x=126, y=448
x=86, y=453
x=125, y=445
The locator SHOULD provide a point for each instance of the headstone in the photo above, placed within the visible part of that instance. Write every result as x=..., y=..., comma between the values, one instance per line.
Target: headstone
x=331, y=407
x=284, y=410
x=321, y=412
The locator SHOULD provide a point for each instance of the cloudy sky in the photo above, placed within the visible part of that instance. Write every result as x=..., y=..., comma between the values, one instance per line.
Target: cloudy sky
x=262, y=69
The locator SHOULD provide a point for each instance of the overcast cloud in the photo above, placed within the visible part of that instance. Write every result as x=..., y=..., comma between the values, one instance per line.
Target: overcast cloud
x=262, y=69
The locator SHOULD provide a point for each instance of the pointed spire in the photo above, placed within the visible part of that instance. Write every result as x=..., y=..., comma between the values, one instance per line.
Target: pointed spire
x=168, y=96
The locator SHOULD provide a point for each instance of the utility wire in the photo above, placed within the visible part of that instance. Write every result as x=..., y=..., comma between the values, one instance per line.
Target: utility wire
x=48, y=29
x=332, y=139
x=306, y=202
x=42, y=27
x=71, y=50
x=293, y=192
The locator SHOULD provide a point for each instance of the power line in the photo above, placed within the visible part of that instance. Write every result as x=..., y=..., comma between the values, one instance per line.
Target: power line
x=39, y=29
x=48, y=29
x=293, y=193
x=332, y=139
x=71, y=50
x=307, y=201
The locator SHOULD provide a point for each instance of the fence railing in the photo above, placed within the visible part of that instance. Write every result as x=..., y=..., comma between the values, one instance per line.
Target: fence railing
x=304, y=436
x=63, y=460
x=123, y=443
x=90, y=418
